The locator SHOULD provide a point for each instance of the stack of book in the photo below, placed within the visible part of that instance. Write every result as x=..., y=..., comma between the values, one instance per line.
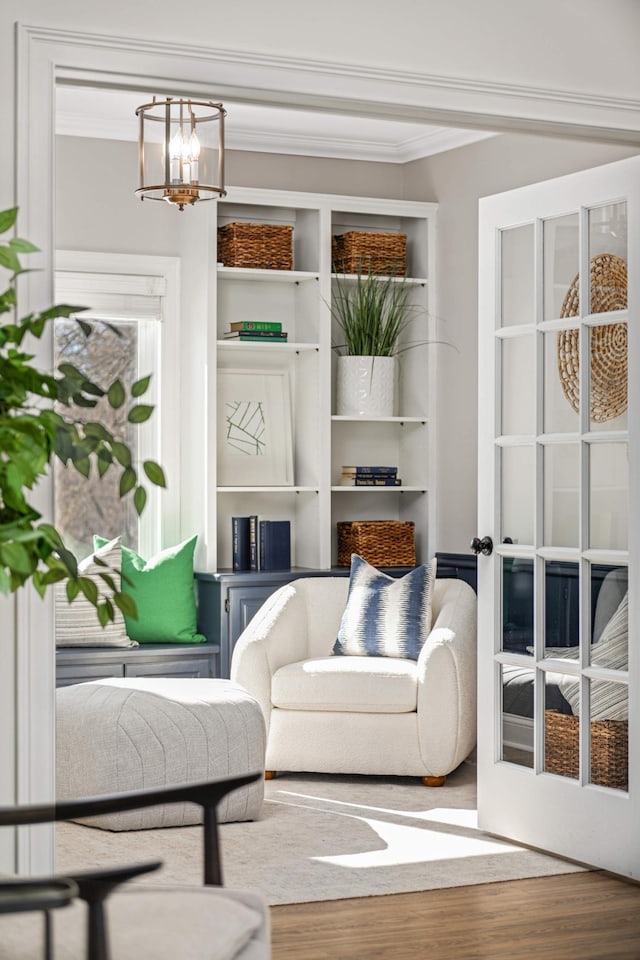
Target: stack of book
x=375, y=476
x=260, y=544
x=256, y=331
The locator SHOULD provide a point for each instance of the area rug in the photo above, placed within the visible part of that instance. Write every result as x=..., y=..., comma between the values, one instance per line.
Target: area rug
x=331, y=838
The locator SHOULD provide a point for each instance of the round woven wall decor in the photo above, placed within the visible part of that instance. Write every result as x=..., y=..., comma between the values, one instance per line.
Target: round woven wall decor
x=608, y=343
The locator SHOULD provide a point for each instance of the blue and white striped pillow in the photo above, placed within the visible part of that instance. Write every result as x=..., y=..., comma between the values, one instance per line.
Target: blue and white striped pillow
x=386, y=616
x=609, y=701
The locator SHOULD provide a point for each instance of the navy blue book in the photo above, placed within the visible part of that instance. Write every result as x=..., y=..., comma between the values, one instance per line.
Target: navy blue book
x=360, y=471
x=275, y=545
x=240, y=545
x=372, y=481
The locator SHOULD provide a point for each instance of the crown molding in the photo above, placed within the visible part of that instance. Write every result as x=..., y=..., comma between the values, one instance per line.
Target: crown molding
x=346, y=88
x=402, y=151
x=274, y=140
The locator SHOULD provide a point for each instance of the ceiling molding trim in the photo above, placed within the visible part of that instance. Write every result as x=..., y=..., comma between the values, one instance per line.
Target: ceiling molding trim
x=413, y=148
x=439, y=141
x=261, y=78
x=76, y=124
x=263, y=141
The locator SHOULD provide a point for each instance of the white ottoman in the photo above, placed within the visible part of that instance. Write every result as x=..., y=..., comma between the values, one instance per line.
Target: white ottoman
x=118, y=734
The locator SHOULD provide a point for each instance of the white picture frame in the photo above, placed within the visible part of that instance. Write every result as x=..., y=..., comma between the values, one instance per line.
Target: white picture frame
x=254, y=428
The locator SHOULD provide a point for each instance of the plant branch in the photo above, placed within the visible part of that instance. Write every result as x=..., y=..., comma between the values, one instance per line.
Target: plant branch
x=33, y=433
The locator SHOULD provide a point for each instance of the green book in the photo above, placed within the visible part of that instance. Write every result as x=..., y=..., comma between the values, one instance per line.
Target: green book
x=255, y=325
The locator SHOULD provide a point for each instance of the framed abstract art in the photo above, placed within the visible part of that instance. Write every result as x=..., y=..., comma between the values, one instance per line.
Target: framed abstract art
x=254, y=428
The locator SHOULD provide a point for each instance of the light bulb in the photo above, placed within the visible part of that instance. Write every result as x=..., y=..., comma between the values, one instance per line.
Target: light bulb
x=176, y=147
x=194, y=148
x=186, y=162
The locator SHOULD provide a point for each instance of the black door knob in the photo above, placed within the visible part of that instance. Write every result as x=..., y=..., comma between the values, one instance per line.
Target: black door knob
x=484, y=545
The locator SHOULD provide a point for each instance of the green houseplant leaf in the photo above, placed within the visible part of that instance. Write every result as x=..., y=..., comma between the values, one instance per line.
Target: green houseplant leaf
x=372, y=312
x=33, y=432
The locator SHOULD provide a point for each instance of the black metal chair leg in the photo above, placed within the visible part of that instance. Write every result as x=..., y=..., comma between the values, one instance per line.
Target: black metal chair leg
x=97, y=939
x=48, y=949
x=212, y=856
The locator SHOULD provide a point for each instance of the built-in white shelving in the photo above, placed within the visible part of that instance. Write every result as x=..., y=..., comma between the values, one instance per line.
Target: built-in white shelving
x=214, y=296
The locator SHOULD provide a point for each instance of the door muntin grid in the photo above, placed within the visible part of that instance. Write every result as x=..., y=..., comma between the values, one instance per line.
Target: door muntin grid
x=563, y=485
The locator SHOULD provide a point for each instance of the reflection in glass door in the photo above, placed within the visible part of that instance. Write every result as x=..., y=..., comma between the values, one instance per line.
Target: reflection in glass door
x=554, y=495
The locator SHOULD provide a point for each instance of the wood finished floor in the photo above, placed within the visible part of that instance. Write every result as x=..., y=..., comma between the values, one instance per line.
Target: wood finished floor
x=580, y=916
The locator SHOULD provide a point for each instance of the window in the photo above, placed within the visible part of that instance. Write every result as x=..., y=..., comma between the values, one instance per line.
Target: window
x=132, y=303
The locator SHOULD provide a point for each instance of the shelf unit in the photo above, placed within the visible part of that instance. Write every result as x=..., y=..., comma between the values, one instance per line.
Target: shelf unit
x=214, y=295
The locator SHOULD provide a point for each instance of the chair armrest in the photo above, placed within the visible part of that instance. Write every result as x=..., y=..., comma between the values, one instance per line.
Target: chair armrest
x=207, y=793
x=447, y=671
x=19, y=895
x=95, y=885
x=276, y=635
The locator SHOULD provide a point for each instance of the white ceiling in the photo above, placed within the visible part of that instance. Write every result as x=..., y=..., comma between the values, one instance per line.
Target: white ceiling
x=110, y=114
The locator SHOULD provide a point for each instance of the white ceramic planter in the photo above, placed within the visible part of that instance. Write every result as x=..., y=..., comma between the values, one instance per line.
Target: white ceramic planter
x=365, y=386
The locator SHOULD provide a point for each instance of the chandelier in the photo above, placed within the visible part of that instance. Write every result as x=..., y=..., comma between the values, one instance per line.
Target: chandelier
x=181, y=151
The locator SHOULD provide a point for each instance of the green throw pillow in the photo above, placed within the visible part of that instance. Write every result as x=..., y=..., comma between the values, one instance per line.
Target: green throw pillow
x=162, y=588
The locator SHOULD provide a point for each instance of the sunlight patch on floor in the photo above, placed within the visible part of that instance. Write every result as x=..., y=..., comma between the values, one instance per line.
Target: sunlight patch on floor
x=456, y=816
x=452, y=815
x=406, y=844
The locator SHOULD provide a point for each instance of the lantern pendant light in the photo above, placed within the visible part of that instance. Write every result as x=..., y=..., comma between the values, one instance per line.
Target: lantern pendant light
x=181, y=151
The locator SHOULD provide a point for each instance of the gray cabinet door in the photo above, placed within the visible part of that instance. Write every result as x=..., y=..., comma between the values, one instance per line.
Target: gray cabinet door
x=68, y=674
x=244, y=603
x=168, y=660
x=184, y=667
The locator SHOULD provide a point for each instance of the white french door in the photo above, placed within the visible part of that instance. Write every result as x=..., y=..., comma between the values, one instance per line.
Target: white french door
x=559, y=418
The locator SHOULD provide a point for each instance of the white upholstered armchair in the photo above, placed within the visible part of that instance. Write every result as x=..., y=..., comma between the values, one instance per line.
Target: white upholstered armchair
x=360, y=714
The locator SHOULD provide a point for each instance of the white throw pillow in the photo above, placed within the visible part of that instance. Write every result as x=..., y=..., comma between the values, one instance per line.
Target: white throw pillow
x=77, y=623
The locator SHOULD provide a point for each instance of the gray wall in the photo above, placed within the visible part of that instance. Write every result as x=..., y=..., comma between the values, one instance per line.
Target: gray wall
x=109, y=217
x=96, y=207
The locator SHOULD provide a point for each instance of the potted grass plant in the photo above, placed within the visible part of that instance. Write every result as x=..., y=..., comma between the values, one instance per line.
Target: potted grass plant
x=371, y=313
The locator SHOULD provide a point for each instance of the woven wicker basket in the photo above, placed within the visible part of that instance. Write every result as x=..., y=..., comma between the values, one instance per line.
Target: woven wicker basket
x=383, y=543
x=366, y=252
x=609, y=749
x=608, y=343
x=261, y=246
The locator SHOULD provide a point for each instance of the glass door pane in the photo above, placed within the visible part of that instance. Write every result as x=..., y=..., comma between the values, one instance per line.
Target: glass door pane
x=561, y=495
x=560, y=239
x=518, y=686
x=609, y=496
x=517, y=278
x=518, y=488
x=561, y=732
x=561, y=383
x=517, y=605
x=608, y=377
x=608, y=249
x=607, y=226
x=518, y=372
x=609, y=734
